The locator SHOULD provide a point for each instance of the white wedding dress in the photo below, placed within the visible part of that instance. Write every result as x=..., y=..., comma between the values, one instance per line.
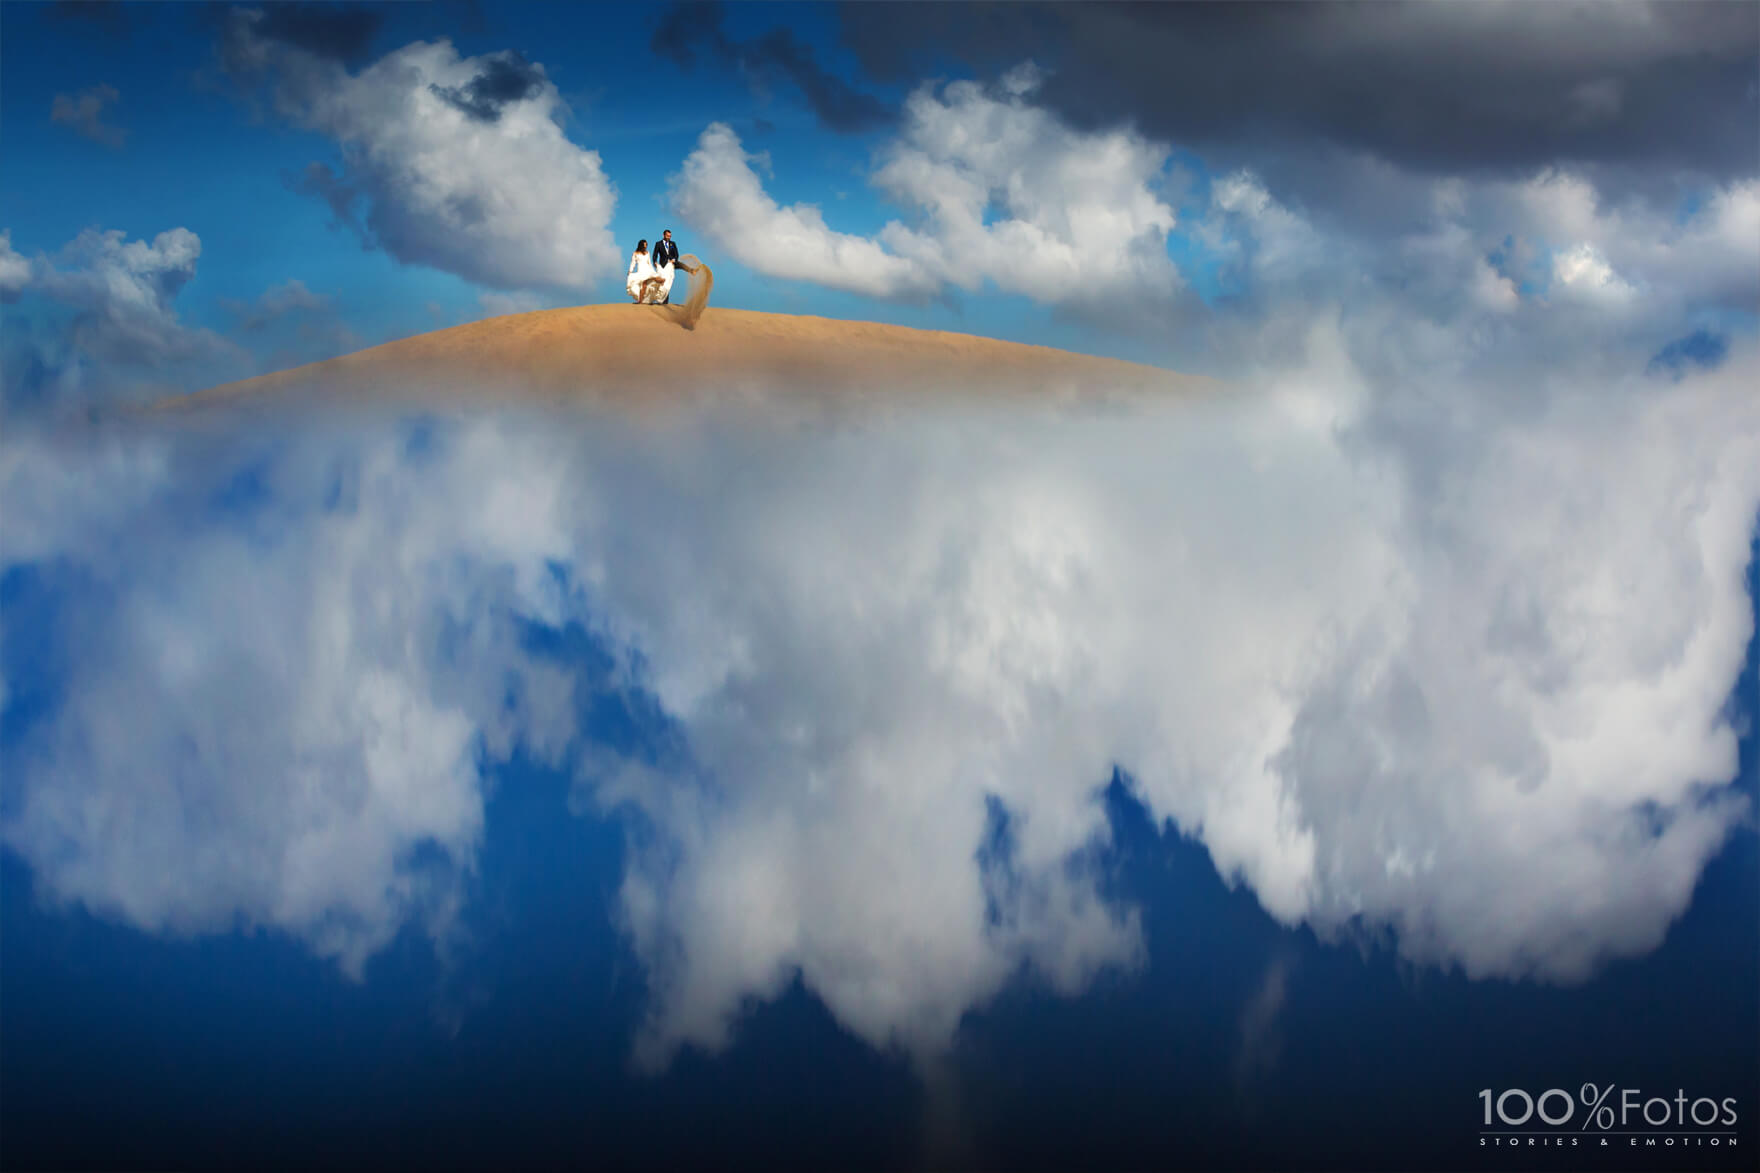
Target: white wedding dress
x=641, y=269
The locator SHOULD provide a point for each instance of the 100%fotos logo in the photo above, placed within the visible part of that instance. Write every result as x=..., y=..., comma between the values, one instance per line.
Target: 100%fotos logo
x=1556, y=1108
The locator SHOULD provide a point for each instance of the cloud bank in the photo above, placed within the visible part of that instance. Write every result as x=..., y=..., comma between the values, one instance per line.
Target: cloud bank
x=1452, y=678
x=1632, y=90
x=1002, y=193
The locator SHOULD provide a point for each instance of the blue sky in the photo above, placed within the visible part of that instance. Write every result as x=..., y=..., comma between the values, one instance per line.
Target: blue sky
x=186, y=143
x=1241, y=781
x=194, y=157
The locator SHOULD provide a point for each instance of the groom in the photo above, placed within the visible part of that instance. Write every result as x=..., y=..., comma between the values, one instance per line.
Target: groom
x=665, y=252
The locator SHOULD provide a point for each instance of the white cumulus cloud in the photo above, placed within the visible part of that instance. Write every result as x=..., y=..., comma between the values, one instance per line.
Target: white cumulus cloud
x=1475, y=701
x=721, y=195
x=123, y=290
x=257, y=731
x=1582, y=271
x=1002, y=192
x=455, y=162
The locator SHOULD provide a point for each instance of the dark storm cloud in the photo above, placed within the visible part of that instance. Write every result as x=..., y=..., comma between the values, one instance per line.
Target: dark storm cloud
x=776, y=56
x=508, y=78
x=1433, y=87
x=339, y=34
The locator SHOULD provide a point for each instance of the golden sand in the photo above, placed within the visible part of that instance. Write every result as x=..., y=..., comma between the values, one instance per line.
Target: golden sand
x=638, y=353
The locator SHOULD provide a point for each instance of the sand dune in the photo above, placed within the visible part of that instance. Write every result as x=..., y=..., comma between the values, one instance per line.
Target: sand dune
x=639, y=353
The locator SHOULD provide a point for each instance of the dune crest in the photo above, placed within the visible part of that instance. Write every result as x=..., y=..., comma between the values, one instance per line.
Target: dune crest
x=638, y=354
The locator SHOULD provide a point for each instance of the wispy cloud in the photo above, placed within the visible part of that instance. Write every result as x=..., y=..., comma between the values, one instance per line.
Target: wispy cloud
x=495, y=304
x=121, y=330
x=1259, y=1045
x=289, y=325
x=84, y=113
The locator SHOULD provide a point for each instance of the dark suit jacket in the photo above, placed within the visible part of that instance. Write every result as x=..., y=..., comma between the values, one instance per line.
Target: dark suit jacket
x=664, y=251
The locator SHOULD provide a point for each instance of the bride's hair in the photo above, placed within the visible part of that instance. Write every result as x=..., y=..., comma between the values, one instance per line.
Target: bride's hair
x=641, y=246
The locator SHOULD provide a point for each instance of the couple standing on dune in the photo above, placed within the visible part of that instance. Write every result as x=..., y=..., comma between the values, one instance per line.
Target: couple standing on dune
x=650, y=277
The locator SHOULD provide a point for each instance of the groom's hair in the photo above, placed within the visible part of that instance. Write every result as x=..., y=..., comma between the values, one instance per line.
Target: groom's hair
x=666, y=232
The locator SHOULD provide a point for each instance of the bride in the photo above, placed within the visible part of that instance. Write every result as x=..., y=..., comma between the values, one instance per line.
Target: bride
x=647, y=284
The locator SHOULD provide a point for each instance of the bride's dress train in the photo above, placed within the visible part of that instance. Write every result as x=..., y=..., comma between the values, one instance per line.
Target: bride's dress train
x=641, y=273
